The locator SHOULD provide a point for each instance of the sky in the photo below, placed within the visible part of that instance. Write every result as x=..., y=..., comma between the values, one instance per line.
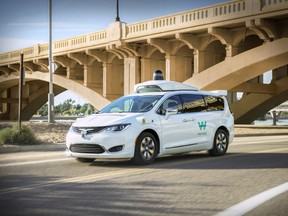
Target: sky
x=24, y=23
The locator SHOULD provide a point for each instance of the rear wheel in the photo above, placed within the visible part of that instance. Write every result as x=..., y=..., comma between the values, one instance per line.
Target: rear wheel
x=85, y=160
x=220, y=145
x=146, y=149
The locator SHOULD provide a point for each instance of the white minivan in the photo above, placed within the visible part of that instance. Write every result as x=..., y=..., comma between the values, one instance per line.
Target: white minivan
x=160, y=118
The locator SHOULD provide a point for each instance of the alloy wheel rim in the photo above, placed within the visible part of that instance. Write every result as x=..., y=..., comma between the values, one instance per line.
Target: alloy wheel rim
x=221, y=142
x=147, y=148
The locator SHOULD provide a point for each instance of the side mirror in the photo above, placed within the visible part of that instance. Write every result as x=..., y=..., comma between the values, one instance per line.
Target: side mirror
x=170, y=111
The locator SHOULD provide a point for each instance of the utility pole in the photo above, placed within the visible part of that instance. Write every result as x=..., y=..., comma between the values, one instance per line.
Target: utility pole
x=117, y=19
x=21, y=77
x=50, y=95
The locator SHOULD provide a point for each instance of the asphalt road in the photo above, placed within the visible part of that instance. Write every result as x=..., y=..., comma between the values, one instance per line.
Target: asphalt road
x=49, y=183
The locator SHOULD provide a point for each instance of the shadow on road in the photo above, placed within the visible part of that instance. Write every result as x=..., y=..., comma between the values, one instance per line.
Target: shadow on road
x=204, y=161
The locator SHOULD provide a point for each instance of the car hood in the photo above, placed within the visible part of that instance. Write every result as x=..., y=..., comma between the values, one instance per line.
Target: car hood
x=104, y=119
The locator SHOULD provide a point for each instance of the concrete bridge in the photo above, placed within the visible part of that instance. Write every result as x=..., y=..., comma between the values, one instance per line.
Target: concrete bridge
x=225, y=46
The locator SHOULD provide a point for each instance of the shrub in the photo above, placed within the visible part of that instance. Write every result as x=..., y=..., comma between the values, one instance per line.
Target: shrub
x=14, y=136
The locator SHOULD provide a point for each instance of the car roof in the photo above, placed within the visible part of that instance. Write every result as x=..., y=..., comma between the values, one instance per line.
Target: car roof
x=147, y=93
x=208, y=93
x=165, y=85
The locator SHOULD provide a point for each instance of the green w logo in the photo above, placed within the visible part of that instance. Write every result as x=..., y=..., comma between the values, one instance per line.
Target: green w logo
x=202, y=125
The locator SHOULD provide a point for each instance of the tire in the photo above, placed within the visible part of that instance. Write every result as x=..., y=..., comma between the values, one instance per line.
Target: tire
x=220, y=145
x=85, y=160
x=146, y=149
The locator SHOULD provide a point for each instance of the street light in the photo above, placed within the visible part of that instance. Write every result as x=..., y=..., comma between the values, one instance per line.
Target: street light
x=117, y=19
x=50, y=95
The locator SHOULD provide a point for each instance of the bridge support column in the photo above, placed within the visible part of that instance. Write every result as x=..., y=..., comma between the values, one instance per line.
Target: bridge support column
x=89, y=77
x=145, y=69
x=231, y=97
x=71, y=73
x=113, y=81
x=98, y=77
x=131, y=74
x=279, y=73
x=4, y=106
x=231, y=50
x=275, y=116
x=178, y=68
x=13, y=112
x=26, y=91
x=199, y=64
x=148, y=66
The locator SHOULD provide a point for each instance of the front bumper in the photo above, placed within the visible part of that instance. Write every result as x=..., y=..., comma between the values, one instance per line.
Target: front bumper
x=109, y=145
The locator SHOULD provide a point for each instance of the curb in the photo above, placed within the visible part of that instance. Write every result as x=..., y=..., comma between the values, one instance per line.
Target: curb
x=25, y=148
x=267, y=134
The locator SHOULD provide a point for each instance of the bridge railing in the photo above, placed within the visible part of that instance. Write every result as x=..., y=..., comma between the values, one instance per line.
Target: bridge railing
x=191, y=18
x=174, y=22
x=39, y=50
x=207, y=15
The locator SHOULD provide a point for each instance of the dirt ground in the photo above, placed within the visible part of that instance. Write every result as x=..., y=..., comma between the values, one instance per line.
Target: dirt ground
x=46, y=133
x=55, y=133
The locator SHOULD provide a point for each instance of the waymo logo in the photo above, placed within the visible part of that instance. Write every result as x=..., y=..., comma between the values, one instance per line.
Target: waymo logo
x=202, y=125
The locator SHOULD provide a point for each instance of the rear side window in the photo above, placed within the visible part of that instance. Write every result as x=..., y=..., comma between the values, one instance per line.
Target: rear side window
x=214, y=103
x=193, y=103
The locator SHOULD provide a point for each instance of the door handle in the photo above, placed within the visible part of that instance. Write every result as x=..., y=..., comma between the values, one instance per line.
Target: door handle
x=188, y=120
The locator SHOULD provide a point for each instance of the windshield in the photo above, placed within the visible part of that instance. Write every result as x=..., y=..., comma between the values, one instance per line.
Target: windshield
x=132, y=104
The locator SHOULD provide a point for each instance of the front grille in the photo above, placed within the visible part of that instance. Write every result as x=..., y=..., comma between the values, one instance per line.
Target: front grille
x=87, y=148
x=88, y=129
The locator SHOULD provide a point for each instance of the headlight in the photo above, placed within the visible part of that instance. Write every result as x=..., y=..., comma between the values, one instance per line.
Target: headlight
x=116, y=128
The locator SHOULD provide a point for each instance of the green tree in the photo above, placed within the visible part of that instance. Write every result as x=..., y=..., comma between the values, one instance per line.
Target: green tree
x=43, y=111
x=67, y=106
x=83, y=109
x=57, y=110
x=90, y=109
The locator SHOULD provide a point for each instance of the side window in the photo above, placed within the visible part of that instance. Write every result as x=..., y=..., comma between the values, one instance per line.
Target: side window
x=214, y=103
x=193, y=103
x=173, y=101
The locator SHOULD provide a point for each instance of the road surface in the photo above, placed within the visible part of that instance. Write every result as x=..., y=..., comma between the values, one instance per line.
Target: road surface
x=251, y=179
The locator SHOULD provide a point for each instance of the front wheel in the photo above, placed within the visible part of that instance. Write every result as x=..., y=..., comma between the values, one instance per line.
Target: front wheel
x=146, y=149
x=220, y=145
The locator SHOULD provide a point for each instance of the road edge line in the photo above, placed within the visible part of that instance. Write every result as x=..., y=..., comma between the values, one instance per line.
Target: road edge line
x=253, y=202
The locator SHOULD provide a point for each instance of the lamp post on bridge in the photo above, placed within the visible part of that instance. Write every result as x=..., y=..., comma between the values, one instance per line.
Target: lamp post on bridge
x=117, y=19
x=51, y=68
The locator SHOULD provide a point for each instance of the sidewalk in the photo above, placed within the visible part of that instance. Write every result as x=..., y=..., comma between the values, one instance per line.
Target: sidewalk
x=39, y=147
x=259, y=130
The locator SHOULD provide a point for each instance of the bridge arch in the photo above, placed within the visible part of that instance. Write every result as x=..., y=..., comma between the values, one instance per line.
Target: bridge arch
x=60, y=84
x=214, y=53
x=243, y=67
x=256, y=105
x=249, y=42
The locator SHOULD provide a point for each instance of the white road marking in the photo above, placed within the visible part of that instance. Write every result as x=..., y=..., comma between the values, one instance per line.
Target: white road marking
x=253, y=202
x=29, y=155
x=33, y=162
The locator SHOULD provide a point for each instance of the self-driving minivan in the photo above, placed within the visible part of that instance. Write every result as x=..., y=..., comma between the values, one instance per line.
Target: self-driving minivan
x=160, y=118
